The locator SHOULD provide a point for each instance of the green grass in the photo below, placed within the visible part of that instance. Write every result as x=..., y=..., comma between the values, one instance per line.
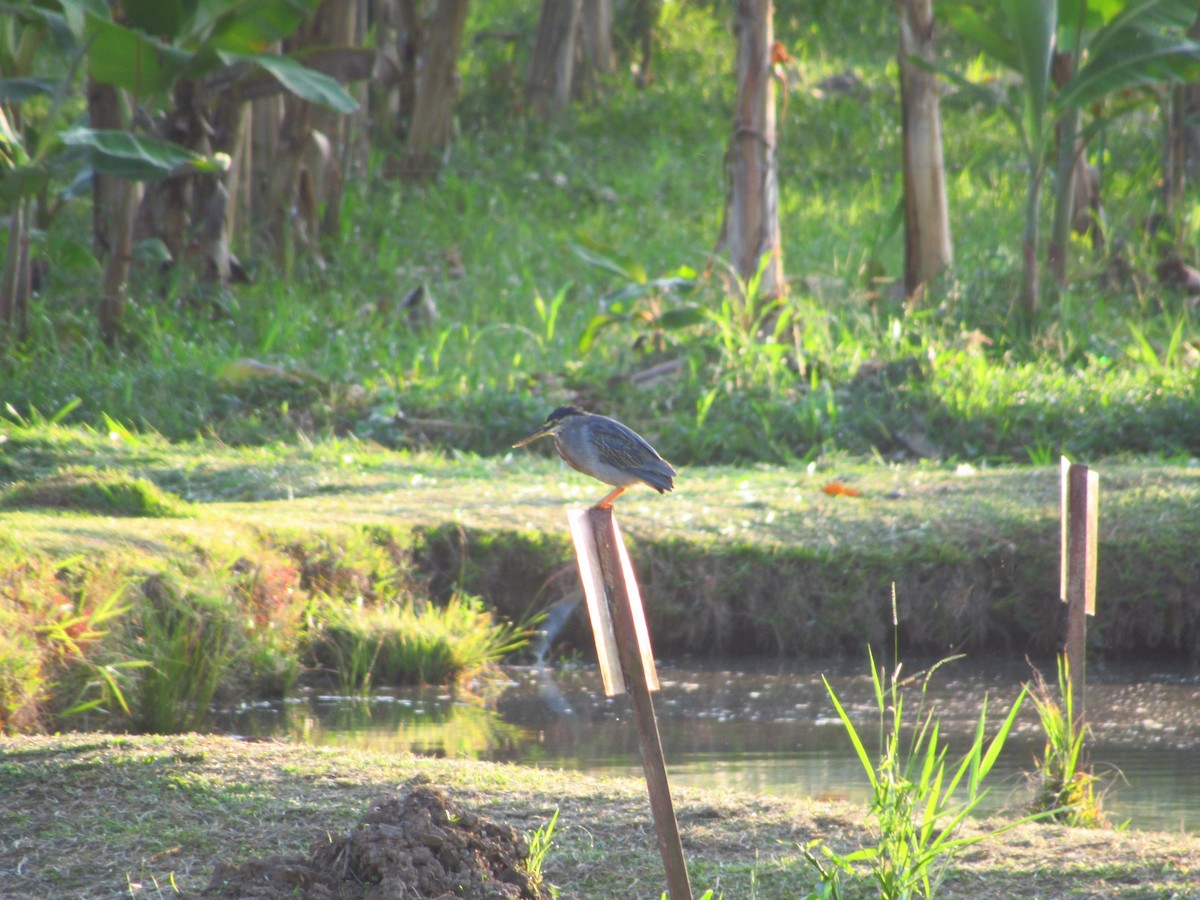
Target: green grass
x=84, y=488
x=637, y=177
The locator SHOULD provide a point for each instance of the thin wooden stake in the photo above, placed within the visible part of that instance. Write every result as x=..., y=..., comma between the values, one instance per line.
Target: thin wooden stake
x=632, y=642
x=1081, y=515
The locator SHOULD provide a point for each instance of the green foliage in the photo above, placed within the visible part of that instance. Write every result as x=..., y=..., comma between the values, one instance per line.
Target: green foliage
x=57, y=660
x=914, y=812
x=1115, y=48
x=1065, y=784
x=631, y=326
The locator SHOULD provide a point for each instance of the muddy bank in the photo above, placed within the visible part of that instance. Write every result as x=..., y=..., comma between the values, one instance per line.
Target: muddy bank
x=988, y=585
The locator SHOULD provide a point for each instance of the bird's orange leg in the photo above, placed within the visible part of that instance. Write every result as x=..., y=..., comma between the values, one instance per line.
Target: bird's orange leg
x=607, y=502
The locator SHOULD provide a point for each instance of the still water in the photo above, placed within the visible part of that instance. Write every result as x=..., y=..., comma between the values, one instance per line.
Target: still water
x=770, y=730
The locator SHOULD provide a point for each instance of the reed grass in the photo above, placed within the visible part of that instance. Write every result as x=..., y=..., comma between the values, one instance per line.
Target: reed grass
x=189, y=638
x=915, y=815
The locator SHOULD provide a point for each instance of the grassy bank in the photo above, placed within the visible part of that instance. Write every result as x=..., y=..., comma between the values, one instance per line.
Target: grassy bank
x=277, y=548
x=98, y=816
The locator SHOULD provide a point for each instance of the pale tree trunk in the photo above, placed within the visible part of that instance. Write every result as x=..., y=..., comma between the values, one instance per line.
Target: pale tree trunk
x=927, y=246
x=596, y=61
x=750, y=231
x=16, y=283
x=288, y=226
x=15, y=288
x=429, y=134
x=1066, y=176
x=255, y=199
x=552, y=61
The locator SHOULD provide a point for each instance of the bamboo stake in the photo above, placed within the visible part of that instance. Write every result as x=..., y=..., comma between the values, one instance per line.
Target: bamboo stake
x=609, y=583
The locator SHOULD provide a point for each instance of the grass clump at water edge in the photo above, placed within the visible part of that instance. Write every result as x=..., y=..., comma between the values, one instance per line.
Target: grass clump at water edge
x=1065, y=783
x=410, y=642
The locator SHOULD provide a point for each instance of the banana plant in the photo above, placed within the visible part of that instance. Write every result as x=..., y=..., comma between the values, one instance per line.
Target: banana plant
x=1103, y=48
x=142, y=52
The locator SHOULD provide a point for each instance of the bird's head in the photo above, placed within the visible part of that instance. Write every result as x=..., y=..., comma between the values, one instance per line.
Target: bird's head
x=554, y=421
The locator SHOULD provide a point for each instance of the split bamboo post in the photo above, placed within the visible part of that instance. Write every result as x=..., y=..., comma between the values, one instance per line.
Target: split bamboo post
x=622, y=639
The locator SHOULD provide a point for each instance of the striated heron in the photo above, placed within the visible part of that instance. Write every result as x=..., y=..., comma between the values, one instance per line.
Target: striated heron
x=605, y=449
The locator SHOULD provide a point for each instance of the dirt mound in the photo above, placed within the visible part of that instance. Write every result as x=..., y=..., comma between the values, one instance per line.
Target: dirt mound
x=415, y=845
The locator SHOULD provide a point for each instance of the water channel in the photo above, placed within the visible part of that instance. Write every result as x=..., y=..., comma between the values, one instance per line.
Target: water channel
x=770, y=729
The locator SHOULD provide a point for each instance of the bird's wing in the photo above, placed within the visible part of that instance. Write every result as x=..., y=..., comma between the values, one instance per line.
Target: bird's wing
x=623, y=448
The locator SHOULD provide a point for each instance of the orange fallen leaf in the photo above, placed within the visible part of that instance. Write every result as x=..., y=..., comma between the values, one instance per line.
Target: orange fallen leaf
x=836, y=488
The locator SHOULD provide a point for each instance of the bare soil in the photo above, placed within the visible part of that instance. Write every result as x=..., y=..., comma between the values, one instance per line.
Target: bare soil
x=413, y=845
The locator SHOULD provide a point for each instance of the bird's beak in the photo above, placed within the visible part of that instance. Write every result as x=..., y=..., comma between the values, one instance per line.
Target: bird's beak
x=540, y=431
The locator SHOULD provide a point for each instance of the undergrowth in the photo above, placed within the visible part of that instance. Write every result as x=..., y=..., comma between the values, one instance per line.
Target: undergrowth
x=635, y=181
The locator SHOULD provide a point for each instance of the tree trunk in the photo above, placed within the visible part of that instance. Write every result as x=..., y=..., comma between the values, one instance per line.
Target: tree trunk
x=397, y=26
x=750, y=231
x=595, y=38
x=644, y=20
x=429, y=134
x=552, y=61
x=216, y=195
x=1182, y=156
x=15, y=288
x=104, y=111
x=120, y=260
x=927, y=246
x=347, y=146
x=1030, y=273
x=166, y=207
x=264, y=140
x=1070, y=152
x=287, y=227
x=114, y=205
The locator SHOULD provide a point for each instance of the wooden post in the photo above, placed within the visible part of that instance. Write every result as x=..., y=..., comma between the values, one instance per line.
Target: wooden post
x=1080, y=492
x=606, y=563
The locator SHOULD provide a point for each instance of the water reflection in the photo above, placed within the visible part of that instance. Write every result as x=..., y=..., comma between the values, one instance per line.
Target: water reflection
x=767, y=730
x=425, y=721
